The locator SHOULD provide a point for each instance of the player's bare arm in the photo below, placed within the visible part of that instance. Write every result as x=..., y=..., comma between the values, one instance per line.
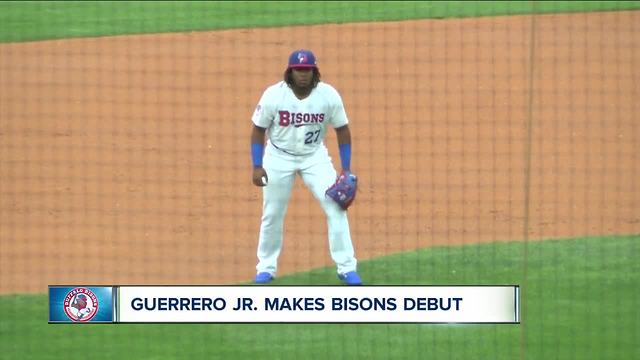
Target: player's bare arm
x=344, y=144
x=257, y=148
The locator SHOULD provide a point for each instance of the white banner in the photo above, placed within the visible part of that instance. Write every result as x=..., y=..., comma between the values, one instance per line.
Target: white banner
x=318, y=304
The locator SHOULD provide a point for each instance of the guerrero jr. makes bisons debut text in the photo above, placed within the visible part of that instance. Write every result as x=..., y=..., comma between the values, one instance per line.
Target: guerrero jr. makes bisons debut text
x=296, y=113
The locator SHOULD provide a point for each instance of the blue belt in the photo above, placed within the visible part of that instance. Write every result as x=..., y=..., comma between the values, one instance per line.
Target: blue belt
x=283, y=150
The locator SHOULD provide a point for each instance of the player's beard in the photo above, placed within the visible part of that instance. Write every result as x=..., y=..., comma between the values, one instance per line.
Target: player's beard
x=303, y=88
x=304, y=83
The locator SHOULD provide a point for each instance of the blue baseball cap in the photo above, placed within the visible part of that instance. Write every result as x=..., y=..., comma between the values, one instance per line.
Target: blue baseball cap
x=302, y=59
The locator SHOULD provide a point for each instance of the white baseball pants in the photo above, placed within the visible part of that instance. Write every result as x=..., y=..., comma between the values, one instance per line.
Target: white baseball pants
x=318, y=174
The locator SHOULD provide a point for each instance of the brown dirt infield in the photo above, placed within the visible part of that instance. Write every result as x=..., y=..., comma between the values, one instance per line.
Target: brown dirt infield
x=126, y=160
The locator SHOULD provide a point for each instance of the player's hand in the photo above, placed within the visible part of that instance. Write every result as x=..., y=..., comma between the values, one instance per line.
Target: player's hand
x=260, y=177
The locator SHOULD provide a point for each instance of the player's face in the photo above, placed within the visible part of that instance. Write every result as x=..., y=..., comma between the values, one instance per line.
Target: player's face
x=302, y=77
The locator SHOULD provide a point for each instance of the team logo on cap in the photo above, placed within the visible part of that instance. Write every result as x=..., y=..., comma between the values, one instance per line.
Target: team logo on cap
x=81, y=304
x=302, y=58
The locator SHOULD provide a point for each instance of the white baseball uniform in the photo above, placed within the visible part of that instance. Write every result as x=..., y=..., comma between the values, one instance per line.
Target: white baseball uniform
x=296, y=130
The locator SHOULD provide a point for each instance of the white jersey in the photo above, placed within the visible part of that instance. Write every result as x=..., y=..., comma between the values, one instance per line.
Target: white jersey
x=295, y=126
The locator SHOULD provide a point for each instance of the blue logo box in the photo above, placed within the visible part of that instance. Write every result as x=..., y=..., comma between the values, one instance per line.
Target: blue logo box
x=81, y=304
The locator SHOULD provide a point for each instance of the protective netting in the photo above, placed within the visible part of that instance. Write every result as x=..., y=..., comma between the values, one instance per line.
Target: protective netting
x=125, y=159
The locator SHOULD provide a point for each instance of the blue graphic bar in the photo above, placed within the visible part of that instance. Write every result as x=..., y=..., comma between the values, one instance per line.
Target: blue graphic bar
x=81, y=304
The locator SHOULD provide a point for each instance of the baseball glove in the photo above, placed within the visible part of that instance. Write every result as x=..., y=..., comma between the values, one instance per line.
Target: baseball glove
x=343, y=191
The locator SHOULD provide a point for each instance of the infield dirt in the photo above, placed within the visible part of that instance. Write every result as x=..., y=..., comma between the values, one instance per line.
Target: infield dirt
x=125, y=160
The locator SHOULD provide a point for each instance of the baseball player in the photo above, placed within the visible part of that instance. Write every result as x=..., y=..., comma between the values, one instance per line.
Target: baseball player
x=296, y=114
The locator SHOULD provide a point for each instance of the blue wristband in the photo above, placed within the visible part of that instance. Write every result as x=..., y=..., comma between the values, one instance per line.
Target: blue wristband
x=256, y=154
x=345, y=156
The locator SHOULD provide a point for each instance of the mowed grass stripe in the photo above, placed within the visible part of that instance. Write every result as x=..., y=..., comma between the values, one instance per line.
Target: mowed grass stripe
x=39, y=20
x=582, y=303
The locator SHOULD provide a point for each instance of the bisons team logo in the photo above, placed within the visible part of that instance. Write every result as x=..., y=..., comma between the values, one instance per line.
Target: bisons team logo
x=302, y=58
x=299, y=119
x=81, y=304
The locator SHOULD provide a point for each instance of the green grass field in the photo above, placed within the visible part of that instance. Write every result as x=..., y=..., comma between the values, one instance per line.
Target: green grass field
x=581, y=295
x=25, y=21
